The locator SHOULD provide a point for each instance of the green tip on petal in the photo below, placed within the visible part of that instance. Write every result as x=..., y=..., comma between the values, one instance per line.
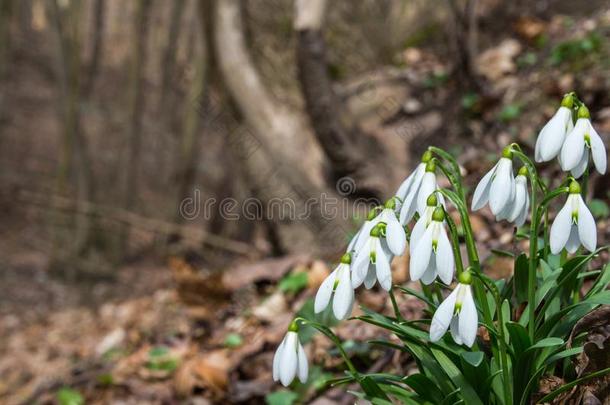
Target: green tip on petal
x=583, y=112
x=346, y=258
x=391, y=203
x=294, y=327
x=432, y=201
x=439, y=214
x=522, y=171
x=376, y=231
x=426, y=157
x=568, y=100
x=574, y=187
x=507, y=153
x=431, y=166
x=465, y=278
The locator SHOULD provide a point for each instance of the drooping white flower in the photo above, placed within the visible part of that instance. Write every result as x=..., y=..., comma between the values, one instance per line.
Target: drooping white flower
x=372, y=261
x=338, y=287
x=552, y=135
x=432, y=254
x=415, y=200
x=422, y=223
x=412, y=183
x=363, y=233
x=574, y=225
x=575, y=150
x=290, y=360
x=497, y=186
x=394, y=232
x=517, y=210
x=458, y=313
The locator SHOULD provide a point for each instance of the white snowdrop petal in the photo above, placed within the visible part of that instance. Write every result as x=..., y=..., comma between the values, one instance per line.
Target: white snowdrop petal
x=325, y=291
x=360, y=264
x=428, y=186
x=303, y=366
x=344, y=295
x=520, y=197
x=553, y=134
x=468, y=318
x=411, y=182
x=364, y=233
x=288, y=361
x=501, y=186
x=454, y=328
x=395, y=236
x=580, y=168
x=430, y=274
x=481, y=193
x=408, y=208
x=560, y=229
x=598, y=151
x=277, y=360
x=444, y=258
x=520, y=220
x=417, y=233
x=383, y=269
x=371, y=277
x=587, y=231
x=573, y=240
x=352, y=243
x=421, y=255
x=574, y=145
x=442, y=317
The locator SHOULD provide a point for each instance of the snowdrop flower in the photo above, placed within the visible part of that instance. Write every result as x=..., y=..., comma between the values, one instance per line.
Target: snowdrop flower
x=394, y=232
x=458, y=313
x=574, y=153
x=497, y=187
x=413, y=182
x=416, y=200
x=338, y=287
x=552, y=135
x=423, y=222
x=432, y=253
x=517, y=211
x=372, y=262
x=290, y=360
x=573, y=225
x=363, y=233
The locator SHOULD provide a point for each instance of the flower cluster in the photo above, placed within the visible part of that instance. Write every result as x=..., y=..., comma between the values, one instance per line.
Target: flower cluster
x=434, y=252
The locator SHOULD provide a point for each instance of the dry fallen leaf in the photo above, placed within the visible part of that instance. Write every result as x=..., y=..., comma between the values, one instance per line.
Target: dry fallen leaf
x=316, y=274
x=499, y=61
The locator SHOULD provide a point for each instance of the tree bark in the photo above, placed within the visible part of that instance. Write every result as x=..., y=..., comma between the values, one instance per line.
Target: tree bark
x=97, y=41
x=350, y=150
x=276, y=148
x=136, y=107
x=169, y=53
x=74, y=160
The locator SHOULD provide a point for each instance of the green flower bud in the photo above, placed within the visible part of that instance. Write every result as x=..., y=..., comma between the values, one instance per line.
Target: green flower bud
x=574, y=187
x=346, y=258
x=507, y=153
x=372, y=214
x=465, y=278
x=523, y=171
x=432, y=201
x=431, y=167
x=294, y=327
x=583, y=112
x=568, y=100
x=426, y=157
x=439, y=214
x=391, y=203
x=376, y=231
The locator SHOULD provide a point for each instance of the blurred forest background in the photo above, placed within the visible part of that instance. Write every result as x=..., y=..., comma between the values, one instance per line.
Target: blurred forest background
x=119, y=120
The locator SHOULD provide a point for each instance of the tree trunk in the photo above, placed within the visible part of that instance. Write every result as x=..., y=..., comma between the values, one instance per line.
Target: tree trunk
x=351, y=152
x=277, y=150
x=136, y=107
x=74, y=160
x=169, y=53
x=97, y=41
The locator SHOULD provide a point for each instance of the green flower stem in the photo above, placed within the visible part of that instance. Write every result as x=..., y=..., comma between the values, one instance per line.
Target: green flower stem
x=456, y=167
x=533, y=259
x=501, y=338
x=457, y=254
x=397, y=313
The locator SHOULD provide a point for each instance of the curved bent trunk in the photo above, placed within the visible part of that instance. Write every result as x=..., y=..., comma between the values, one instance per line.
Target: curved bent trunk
x=276, y=149
x=351, y=152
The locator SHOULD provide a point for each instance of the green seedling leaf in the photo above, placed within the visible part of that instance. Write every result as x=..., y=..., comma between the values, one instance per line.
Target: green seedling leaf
x=233, y=340
x=599, y=208
x=293, y=282
x=281, y=398
x=68, y=396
